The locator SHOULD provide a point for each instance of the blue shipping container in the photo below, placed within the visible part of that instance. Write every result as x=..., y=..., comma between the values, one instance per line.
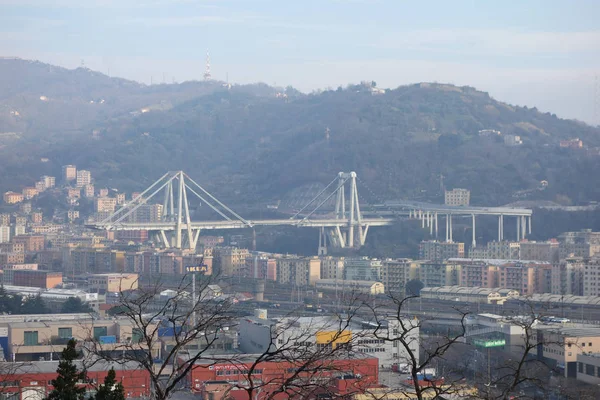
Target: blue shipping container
x=108, y=339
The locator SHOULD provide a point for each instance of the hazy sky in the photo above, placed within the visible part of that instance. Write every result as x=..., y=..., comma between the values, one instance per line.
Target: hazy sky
x=542, y=53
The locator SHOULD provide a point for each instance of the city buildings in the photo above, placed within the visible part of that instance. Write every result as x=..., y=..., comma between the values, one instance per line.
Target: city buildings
x=105, y=204
x=261, y=266
x=69, y=173
x=4, y=233
x=332, y=267
x=13, y=198
x=562, y=345
x=433, y=250
x=362, y=269
x=256, y=336
x=457, y=197
x=469, y=294
x=591, y=277
x=298, y=271
x=113, y=282
x=32, y=380
x=503, y=250
x=83, y=178
x=229, y=261
x=341, y=377
x=396, y=273
x=568, y=276
x=539, y=251
x=32, y=278
x=588, y=368
x=29, y=192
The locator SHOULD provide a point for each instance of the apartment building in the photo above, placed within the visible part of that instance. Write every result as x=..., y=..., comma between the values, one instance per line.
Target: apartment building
x=13, y=198
x=29, y=192
x=49, y=181
x=73, y=193
x=568, y=276
x=362, y=269
x=31, y=243
x=591, y=277
x=433, y=250
x=332, y=267
x=12, y=258
x=146, y=213
x=584, y=243
x=209, y=242
x=229, y=261
x=105, y=204
x=12, y=247
x=4, y=233
x=83, y=178
x=539, y=251
x=457, y=197
x=261, y=266
x=439, y=273
x=503, y=250
x=69, y=173
x=88, y=191
x=298, y=271
x=91, y=260
x=396, y=273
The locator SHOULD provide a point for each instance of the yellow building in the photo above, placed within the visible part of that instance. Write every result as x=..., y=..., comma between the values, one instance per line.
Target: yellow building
x=12, y=197
x=113, y=283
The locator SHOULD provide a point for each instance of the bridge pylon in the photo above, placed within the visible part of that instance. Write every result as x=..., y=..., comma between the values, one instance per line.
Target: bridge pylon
x=174, y=227
x=353, y=232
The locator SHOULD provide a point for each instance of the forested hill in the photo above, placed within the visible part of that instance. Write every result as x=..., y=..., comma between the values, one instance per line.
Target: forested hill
x=255, y=143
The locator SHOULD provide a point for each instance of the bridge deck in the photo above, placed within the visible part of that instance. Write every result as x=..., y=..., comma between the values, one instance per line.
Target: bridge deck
x=168, y=226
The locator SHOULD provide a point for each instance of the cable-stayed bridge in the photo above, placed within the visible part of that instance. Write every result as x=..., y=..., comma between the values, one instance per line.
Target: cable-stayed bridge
x=346, y=226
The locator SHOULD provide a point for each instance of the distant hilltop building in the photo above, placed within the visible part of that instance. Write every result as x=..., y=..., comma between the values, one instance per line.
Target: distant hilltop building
x=575, y=143
x=69, y=173
x=457, y=197
x=489, y=132
x=512, y=140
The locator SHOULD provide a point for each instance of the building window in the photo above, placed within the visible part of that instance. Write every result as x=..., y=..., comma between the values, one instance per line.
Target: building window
x=30, y=338
x=65, y=333
x=589, y=369
x=580, y=367
x=99, y=331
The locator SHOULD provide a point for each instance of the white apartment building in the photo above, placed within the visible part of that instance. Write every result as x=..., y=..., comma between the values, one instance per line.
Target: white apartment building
x=258, y=334
x=83, y=178
x=591, y=277
x=457, y=197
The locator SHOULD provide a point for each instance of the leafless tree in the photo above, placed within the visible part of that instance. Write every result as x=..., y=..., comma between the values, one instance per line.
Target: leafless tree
x=319, y=351
x=194, y=321
x=395, y=324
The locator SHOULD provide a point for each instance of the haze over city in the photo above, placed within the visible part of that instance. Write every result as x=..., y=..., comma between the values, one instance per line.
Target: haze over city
x=305, y=200
x=534, y=53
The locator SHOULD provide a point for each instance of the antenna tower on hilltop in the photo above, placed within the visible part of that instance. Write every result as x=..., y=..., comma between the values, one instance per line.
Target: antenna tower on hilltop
x=207, y=76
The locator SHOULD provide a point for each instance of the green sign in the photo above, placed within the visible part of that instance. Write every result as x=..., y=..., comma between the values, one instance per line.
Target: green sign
x=489, y=343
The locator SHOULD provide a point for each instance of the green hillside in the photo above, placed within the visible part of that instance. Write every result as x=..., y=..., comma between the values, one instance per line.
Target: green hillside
x=251, y=146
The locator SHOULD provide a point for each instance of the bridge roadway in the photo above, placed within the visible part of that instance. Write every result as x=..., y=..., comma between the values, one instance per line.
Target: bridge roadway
x=235, y=224
x=454, y=210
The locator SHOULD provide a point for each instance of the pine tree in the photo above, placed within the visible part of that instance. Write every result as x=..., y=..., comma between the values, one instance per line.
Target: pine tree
x=111, y=390
x=65, y=384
